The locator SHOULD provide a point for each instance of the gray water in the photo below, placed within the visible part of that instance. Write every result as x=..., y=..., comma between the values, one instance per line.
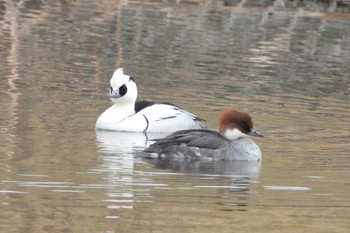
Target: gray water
x=284, y=62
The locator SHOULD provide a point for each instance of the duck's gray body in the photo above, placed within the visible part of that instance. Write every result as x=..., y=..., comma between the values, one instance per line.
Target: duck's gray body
x=203, y=144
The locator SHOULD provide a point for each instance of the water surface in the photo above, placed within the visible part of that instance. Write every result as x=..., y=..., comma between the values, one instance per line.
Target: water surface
x=285, y=62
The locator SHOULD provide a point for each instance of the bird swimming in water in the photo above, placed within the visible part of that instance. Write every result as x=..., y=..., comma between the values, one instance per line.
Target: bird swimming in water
x=127, y=114
x=229, y=143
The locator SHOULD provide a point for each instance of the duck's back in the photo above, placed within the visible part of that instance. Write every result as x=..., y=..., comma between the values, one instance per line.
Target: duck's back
x=148, y=117
x=202, y=144
x=169, y=118
x=190, y=144
x=201, y=138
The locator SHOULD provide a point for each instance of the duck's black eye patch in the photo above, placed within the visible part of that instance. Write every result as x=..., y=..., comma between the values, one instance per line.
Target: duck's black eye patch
x=122, y=90
x=245, y=127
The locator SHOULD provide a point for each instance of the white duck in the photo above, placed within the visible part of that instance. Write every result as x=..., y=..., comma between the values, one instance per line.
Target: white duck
x=143, y=116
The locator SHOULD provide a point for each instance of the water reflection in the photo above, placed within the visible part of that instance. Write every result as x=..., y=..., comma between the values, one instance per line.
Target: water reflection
x=112, y=142
x=118, y=165
x=125, y=183
x=246, y=168
x=11, y=58
x=226, y=177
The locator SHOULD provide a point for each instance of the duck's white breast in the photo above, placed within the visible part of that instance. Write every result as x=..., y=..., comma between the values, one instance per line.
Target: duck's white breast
x=117, y=120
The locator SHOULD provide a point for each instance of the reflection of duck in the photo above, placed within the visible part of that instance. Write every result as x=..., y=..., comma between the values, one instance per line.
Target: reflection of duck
x=118, y=164
x=119, y=150
x=230, y=143
x=239, y=168
x=120, y=142
x=230, y=176
x=128, y=115
x=124, y=142
x=118, y=158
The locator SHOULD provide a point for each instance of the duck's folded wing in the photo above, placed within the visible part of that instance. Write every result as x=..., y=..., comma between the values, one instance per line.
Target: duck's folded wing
x=169, y=118
x=207, y=139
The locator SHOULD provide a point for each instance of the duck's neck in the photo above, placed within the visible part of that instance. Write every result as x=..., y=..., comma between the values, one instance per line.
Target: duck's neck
x=126, y=109
x=233, y=134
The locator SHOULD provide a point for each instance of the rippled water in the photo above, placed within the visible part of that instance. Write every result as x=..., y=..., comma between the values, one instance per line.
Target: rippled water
x=285, y=62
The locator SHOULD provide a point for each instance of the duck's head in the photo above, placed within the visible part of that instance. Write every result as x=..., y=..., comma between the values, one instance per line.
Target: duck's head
x=234, y=124
x=123, y=88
